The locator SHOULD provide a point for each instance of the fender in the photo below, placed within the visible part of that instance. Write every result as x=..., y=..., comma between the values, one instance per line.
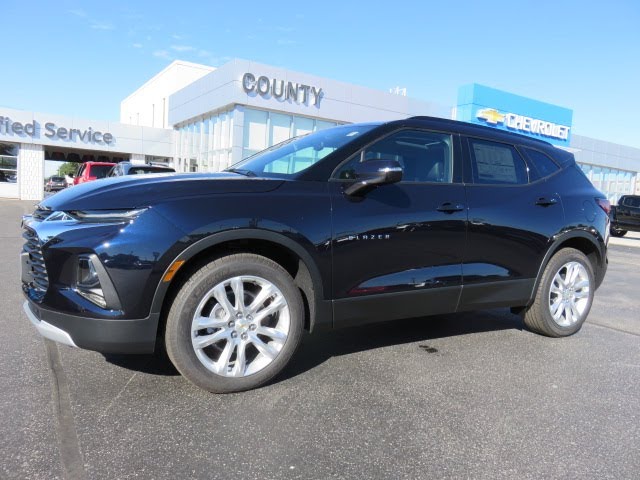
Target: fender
x=323, y=310
x=557, y=240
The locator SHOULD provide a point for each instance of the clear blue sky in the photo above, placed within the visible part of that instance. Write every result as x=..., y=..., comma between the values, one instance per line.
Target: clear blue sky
x=82, y=58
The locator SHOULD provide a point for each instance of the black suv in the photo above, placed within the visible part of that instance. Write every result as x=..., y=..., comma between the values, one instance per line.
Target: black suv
x=625, y=216
x=344, y=226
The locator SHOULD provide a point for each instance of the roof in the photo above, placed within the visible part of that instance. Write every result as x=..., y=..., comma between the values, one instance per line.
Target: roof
x=471, y=128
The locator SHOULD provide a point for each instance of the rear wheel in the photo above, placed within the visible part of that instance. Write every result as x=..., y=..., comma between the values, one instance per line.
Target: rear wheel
x=564, y=296
x=235, y=323
x=618, y=233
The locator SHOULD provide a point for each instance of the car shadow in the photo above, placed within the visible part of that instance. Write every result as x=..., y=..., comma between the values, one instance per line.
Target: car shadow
x=319, y=347
x=157, y=363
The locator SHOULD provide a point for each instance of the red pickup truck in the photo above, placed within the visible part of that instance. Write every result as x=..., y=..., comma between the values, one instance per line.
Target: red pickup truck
x=90, y=171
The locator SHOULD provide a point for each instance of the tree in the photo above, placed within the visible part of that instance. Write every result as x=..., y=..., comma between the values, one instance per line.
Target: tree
x=68, y=168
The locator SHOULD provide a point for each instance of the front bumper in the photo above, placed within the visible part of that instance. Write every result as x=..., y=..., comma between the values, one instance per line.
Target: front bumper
x=101, y=335
x=47, y=330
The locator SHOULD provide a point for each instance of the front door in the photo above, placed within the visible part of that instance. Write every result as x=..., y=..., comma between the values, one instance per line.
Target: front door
x=402, y=240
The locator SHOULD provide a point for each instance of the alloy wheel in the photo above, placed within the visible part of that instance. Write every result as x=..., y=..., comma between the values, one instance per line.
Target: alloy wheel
x=240, y=326
x=569, y=294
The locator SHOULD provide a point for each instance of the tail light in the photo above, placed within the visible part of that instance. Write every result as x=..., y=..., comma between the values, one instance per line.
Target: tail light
x=604, y=204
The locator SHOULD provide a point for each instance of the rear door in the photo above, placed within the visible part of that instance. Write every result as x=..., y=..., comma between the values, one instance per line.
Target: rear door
x=512, y=216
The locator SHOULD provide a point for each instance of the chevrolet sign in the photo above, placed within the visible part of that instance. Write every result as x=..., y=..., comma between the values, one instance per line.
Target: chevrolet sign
x=521, y=123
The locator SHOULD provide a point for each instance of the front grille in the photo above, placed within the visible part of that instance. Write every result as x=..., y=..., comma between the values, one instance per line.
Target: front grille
x=38, y=269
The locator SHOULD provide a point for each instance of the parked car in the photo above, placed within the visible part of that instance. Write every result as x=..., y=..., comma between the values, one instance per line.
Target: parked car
x=90, y=171
x=341, y=227
x=128, y=168
x=7, y=176
x=625, y=216
x=54, y=184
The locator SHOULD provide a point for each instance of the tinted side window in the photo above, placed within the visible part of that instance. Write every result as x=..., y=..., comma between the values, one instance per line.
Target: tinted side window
x=632, y=201
x=424, y=156
x=541, y=165
x=100, y=171
x=496, y=163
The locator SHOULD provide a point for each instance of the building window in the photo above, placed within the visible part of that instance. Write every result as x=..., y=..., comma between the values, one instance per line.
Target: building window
x=263, y=129
x=612, y=182
x=206, y=141
x=8, y=163
x=255, y=131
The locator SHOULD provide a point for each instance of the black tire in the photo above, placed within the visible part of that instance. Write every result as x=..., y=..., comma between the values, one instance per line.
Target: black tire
x=538, y=317
x=178, y=334
x=618, y=233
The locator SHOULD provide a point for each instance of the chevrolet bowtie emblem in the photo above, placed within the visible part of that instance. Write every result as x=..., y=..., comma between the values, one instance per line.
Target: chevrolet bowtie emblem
x=490, y=115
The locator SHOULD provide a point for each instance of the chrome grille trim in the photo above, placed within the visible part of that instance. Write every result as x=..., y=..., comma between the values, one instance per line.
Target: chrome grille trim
x=32, y=246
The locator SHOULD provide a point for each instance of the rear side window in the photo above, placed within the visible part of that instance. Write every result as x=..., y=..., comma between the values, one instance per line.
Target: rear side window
x=100, y=171
x=143, y=170
x=632, y=202
x=496, y=163
x=541, y=164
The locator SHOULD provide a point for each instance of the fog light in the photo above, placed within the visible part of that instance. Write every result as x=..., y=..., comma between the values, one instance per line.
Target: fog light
x=87, y=275
x=88, y=282
x=94, y=296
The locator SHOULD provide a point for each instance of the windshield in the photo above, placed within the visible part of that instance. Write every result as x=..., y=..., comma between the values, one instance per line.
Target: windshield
x=297, y=154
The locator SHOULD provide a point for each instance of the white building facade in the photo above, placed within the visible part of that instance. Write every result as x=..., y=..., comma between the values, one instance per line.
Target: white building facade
x=202, y=119
x=29, y=139
x=148, y=106
x=244, y=107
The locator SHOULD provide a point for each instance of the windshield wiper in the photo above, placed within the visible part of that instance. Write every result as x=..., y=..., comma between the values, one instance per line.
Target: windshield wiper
x=241, y=171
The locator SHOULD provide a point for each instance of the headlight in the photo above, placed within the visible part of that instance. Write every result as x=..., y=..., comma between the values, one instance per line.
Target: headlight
x=95, y=216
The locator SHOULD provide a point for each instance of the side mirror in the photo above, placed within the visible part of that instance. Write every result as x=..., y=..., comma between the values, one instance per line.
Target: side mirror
x=373, y=173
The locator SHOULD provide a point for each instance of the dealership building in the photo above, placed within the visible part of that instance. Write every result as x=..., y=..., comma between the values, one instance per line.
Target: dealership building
x=200, y=119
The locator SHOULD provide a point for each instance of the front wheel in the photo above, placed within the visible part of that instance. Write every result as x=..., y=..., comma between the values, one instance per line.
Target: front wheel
x=235, y=323
x=564, y=296
x=618, y=233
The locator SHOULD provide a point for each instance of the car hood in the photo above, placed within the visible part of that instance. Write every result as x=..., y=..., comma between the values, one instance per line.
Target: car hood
x=132, y=191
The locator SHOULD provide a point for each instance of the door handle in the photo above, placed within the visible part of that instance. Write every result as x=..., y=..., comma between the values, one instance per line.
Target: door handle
x=546, y=201
x=449, y=207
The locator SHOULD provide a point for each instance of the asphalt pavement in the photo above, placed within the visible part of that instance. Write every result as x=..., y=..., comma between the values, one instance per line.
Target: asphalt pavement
x=472, y=395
